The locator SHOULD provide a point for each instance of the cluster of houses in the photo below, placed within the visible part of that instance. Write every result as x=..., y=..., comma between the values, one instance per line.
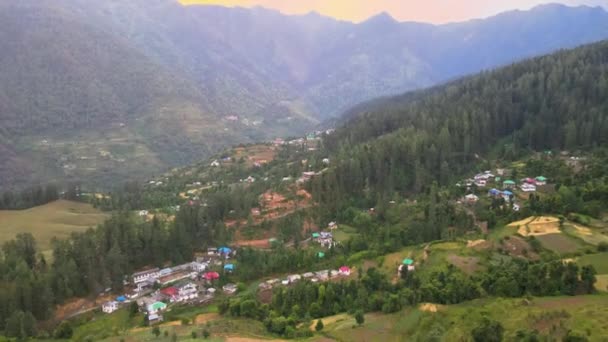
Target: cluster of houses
x=179, y=284
x=315, y=277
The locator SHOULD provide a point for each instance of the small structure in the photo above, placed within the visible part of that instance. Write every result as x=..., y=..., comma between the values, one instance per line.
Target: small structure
x=494, y=193
x=321, y=255
x=471, y=198
x=316, y=235
x=121, y=299
x=109, y=307
x=322, y=275
x=224, y=251
x=211, y=276
x=527, y=187
x=229, y=268
x=156, y=307
x=408, y=262
x=540, y=180
x=308, y=275
x=332, y=225
x=294, y=278
x=170, y=293
x=507, y=195
x=516, y=207
x=154, y=318
x=481, y=182
x=230, y=288
x=509, y=184
x=145, y=275
x=199, y=266
x=143, y=213
x=344, y=270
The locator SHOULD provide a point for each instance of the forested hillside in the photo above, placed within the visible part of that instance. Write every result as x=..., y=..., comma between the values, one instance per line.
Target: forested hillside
x=405, y=143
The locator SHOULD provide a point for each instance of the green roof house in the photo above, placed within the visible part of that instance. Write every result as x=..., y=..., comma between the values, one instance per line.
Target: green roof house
x=540, y=180
x=316, y=235
x=408, y=261
x=509, y=184
x=321, y=255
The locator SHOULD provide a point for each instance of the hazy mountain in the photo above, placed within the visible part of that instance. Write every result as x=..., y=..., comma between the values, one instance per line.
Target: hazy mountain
x=96, y=89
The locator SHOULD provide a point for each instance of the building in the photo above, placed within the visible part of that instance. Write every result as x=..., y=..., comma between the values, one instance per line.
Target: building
x=540, y=180
x=109, y=307
x=145, y=275
x=507, y=195
x=332, y=225
x=170, y=293
x=154, y=318
x=344, y=270
x=229, y=288
x=471, y=198
x=481, y=183
x=156, y=307
x=294, y=278
x=187, y=292
x=527, y=187
x=199, y=266
x=173, y=277
x=229, y=268
x=509, y=184
x=211, y=276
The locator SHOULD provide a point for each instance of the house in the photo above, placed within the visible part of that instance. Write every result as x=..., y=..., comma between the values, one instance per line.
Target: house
x=516, y=207
x=344, y=270
x=527, y=187
x=143, y=213
x=173, y=277
x=507, y=195
x=494, y=193
x=199, y=266
x=145, y=285
x=154, y=318
x=255, y=212
x=211, y=251
x=332, y=225
x=109, y=307
x=170, y=293
x=229, y=268
x=211, y=291
x=322, y=275
x=294, y=278
x=326, y=161
x=509, y=184
x=529, y=180
x=540, y=180
x=156, y=307
x=308, y=275
x=471, y=198
x=481, y=183
x=249, y=179
x=321, y=255
x=211, y=276
x=145, y=275
x=224, y=251
x=187, y=292
x=229, y=288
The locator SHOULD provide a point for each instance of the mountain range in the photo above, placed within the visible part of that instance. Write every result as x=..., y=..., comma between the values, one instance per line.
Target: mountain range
x=113, y=90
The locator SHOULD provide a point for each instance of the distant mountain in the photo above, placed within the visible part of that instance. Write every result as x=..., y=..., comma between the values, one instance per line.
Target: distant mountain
x=114, y=90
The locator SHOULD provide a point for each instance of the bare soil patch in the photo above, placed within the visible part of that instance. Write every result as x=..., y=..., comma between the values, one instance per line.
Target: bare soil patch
x=428, y=307
x=518, y=247
x=204, y=318
x=468, y=265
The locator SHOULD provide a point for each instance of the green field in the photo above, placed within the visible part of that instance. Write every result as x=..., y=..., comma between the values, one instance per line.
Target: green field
x=553, y=317
x=56, y=219
x=599, y=261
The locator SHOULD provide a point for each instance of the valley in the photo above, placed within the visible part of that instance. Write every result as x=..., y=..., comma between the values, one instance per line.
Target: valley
x=181, y=181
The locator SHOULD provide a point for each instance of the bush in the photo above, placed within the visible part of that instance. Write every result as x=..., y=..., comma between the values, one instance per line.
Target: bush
x=602, y=247
x=319, y=325
x=64, y=331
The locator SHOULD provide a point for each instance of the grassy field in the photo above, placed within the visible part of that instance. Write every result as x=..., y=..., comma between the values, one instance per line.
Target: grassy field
x=599, y=261
x=56, y=219
x=551, y=316
x=559, y=243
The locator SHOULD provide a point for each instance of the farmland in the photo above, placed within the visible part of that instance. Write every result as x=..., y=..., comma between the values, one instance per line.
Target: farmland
x=552, y=317
x=56, y=219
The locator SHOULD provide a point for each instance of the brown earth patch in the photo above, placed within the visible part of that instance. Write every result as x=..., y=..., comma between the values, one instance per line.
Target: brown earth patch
x=204, y=318
x=468, y=265
x=518, y=247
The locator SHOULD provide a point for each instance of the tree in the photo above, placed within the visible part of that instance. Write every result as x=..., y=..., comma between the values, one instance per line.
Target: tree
x=488, y=331
x=588, y=278
x=64, y=331
x=359, y=317
x=319, y=325
x=156, y=331
x=206, y=334
x=194, y=335
x=133, y=309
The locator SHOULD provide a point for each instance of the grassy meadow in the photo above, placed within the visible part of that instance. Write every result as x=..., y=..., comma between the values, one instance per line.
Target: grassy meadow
x=56, y=219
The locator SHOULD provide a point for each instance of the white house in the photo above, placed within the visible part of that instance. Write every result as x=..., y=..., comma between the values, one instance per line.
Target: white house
x=471, y=198
x=143, y=213
x=109, y=307
x=527, y=187
x=229, y=288
x=187, y=292
x=199, y=266
x=145, y=275
x=215, y=163
x=294, y=278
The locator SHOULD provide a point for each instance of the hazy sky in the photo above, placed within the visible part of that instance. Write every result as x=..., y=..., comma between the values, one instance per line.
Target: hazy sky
x=435, y=11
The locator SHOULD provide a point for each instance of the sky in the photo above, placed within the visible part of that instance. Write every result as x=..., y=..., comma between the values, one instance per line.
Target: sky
x=433, y=11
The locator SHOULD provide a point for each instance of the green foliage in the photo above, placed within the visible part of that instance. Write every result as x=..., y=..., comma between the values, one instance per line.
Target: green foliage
x=359, y=317
x=156, y=331
x=63, y=331
x=488, y=331
x=319, y=326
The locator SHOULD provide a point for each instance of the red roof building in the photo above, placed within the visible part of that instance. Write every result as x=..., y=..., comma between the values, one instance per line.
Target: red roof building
x=211, y=276
x=169, y=291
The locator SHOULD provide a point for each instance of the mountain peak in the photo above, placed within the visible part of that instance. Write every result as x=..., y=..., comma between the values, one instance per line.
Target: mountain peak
x=382, y=18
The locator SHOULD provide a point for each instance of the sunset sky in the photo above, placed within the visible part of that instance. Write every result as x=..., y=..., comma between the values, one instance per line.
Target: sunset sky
x=435, y=11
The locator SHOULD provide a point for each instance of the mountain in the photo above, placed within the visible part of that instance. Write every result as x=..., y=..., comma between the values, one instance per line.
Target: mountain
x=117, y=90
